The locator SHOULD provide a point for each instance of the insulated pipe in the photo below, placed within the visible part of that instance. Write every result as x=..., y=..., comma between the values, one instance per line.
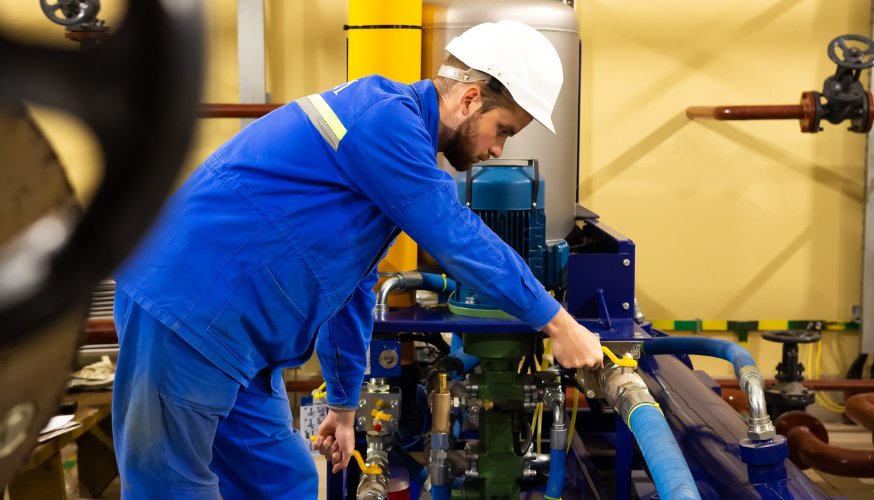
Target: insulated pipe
x=750, y=379
x=775, y=112
x=627, y=393
x=384, y=37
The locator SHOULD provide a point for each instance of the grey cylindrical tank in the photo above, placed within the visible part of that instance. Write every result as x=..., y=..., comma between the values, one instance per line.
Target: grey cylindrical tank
x=442, y=20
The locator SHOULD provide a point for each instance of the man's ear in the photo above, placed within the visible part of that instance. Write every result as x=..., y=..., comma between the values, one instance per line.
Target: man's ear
x=470, y=100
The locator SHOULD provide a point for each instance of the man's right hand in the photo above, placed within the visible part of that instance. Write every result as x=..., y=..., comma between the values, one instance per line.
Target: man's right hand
x=573, y=345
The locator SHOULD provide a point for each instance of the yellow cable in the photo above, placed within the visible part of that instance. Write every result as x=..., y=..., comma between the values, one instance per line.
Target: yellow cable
x=573, y=419
x=821, y=396
x=539, y=425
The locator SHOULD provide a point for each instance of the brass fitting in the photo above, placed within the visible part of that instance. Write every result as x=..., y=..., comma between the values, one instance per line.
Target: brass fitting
x=441, y=406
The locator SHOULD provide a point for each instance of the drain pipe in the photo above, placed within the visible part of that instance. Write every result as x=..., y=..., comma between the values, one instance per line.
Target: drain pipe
x=760, y=427
x=627, y=393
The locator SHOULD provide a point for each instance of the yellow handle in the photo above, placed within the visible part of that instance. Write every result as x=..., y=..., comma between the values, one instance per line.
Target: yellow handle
x=320, y=395
x=380, y=415
x=629, y=361
x=372, y=469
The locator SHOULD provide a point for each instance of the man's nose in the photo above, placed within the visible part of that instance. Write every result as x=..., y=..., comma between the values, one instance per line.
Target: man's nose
x=496, y=151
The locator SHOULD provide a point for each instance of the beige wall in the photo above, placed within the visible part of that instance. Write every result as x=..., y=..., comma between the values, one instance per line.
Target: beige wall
x=732, y=221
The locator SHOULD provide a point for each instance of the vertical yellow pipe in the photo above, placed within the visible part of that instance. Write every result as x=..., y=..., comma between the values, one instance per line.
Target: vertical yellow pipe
x=385, y=38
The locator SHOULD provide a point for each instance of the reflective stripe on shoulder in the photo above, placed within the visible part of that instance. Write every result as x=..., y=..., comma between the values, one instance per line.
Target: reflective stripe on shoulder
x=323, y=118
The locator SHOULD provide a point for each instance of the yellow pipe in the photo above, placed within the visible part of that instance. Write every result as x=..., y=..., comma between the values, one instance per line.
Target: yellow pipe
x=395, y=53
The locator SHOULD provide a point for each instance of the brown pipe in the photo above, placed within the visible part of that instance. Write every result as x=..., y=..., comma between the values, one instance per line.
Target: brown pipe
x=819, y=385
x=786, y=112
x=827, y=458
x=236, y=110
x=860, y=409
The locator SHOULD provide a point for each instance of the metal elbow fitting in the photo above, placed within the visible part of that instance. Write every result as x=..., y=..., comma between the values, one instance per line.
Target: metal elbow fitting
x=397, y=281
x=753, y=384
x=440, y=427
x=555, y=400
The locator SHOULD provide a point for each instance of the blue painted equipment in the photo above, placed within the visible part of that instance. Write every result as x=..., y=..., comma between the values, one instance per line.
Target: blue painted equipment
x=510, y=198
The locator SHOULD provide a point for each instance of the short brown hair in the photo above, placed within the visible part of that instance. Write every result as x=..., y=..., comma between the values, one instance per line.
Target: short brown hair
x=491, y=98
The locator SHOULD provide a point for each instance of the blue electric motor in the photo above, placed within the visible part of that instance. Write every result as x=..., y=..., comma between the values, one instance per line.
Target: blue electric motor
x=510, y=197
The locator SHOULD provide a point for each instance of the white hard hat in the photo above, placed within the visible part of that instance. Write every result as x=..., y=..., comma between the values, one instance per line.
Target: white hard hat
x=518, y=56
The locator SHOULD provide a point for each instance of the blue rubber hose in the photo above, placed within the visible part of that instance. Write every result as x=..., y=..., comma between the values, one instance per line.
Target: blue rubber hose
x=666, y=463
x=437, y=283
x=556, y=473
x=716, y=348
x=439, y=492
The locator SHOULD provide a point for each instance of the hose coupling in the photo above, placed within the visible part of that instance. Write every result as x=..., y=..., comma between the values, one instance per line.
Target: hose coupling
x=440, y=459
x=554, y=399
x=760, y=427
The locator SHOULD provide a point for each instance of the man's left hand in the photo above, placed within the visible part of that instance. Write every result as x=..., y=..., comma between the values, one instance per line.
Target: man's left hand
x=337, y=438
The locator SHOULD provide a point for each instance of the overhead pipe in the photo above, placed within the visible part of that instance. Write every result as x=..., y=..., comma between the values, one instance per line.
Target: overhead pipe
x=750, y=379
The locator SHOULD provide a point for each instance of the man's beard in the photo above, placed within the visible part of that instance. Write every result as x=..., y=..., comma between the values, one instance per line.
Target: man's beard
x=461, y=151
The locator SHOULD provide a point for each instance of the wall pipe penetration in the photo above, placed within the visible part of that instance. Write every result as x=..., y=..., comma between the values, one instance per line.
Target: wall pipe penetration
x=627, y=393
x=750, y=379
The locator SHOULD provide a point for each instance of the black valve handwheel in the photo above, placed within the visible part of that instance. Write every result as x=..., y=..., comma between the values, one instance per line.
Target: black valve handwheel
x=852, y=57
x=792, y=336
x=72, y=12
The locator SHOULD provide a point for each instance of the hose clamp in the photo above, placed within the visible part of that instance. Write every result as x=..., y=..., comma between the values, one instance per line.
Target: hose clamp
x=746, y=375
x=558, y=434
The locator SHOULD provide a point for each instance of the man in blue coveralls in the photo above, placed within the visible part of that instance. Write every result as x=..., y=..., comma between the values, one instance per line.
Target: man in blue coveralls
x=269, y=250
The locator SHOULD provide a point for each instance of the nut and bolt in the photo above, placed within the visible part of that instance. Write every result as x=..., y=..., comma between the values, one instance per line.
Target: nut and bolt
x=362, y=421
x=394, y=403
x=362, y=403
x=625, y=305
x=626, y=262
x=590, y=393
x=393, y=421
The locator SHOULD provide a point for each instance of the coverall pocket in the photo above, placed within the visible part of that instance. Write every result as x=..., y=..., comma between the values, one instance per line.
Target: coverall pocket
x=260, y=322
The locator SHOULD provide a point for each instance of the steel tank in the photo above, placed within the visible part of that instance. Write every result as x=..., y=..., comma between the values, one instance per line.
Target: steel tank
x=442, y=20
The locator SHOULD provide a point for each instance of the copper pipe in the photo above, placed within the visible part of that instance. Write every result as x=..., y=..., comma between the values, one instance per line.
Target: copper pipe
x=819, y=385
x=236, y=110
x=827, y=458
x=860, y=409
x=785, y=112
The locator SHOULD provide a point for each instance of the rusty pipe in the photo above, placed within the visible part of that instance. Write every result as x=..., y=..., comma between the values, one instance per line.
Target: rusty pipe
x=233, y=110
x=783, y=112
x=860, y=409
x=827, y=458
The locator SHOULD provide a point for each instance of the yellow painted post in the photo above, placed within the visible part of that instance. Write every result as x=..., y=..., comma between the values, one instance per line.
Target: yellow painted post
x=385, y=38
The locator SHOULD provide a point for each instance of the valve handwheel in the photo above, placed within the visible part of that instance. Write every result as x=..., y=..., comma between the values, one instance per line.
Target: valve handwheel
x=72, y=12
x=852, y=57
x=792, y=336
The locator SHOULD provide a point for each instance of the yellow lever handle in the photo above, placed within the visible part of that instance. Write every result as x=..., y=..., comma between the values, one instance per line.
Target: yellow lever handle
x=372, y=469
x=380, y=415
x=629, y=361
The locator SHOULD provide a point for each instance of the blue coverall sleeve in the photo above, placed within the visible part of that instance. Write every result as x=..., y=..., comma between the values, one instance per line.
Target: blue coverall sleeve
x=342, y=346
x=387, y=155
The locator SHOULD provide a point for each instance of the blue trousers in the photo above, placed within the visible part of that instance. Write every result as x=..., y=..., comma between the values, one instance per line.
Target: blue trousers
x=184, y=429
